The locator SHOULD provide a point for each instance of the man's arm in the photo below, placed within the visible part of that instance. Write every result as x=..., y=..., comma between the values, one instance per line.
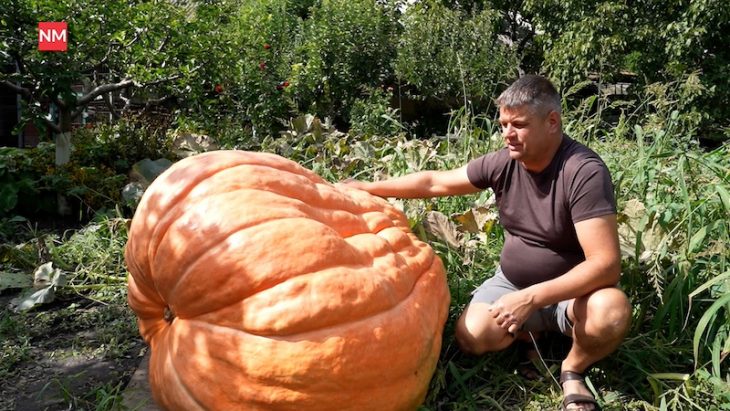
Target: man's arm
x=422, y=184
x=602, y=267
x=598, y=238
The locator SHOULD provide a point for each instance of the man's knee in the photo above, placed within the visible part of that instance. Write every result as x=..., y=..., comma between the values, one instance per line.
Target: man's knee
x=467, y=342
x=478, y=334
x=608, y=310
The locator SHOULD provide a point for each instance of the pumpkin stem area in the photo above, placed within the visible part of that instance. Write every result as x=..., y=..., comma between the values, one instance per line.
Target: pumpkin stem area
x=168, y=315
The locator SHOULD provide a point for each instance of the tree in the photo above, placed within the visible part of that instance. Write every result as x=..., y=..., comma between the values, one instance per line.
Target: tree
x=652, y=40
x=453, y=54
x=152, y=50
x=657, y=40
x=347, y=47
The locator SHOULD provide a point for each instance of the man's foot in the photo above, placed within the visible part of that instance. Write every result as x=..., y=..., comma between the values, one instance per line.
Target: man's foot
x=576, y=395
x=528, y=358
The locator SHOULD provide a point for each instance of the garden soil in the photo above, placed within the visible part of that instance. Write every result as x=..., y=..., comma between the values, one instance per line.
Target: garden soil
x=75, y=368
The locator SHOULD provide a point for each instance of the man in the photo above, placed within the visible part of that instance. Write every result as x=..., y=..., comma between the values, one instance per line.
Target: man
x=561, y=262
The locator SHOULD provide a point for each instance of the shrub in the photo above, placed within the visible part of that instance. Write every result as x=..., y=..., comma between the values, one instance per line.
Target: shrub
x=23, y=180
x=347, y=45
x=447, y=53
x=373, y=115
x=263, y=43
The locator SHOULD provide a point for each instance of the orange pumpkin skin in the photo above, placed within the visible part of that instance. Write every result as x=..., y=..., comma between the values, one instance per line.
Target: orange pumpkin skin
x=260, y=286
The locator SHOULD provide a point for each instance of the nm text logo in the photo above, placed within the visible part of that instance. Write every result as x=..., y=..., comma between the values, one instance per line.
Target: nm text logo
x=52, y=36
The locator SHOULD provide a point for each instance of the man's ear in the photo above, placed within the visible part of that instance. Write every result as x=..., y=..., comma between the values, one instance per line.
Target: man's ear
x=553, y=120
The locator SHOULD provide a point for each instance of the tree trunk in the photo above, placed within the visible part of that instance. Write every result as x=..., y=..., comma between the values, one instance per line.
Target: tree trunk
x=63, y=148
x=63, y=155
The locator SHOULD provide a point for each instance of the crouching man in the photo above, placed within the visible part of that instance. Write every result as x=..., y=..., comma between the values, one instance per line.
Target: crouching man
x=560, y=264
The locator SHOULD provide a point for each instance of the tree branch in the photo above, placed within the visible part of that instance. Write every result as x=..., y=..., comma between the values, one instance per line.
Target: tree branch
x=53, y=126
x=523, y=43
x=16, y=88
x=156, y=102
x=96, y=92
x=160, y=81
x=108, y=101
x=112, y=45
x=164, y=43
x=99, y=90
x=27, y=97
x=106, y=88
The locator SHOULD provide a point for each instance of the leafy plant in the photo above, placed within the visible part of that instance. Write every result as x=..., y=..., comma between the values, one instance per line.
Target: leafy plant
x=94, y=258
x=24, y=186
x=15, y=179
x=453, y=54
x=374, y=115
x=346, y=45
x=647, y=41
x=263, y=90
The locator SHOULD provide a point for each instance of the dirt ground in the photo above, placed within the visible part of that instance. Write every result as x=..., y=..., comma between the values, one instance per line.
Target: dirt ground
x=74, y=354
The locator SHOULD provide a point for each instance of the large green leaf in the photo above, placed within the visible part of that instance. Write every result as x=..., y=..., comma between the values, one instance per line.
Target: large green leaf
x=697, y=239
x=705, y=321
x=8, y=197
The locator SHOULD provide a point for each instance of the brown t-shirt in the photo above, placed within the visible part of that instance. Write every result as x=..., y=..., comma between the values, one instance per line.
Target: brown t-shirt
x=539, y=210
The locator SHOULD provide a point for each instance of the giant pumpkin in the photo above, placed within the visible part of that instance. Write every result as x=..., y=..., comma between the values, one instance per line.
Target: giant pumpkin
x=259, y=285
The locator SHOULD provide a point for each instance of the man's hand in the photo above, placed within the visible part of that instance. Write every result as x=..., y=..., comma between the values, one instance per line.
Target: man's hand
x=512, y=310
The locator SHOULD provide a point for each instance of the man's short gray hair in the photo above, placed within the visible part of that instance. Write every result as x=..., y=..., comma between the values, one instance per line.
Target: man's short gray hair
x=533, y=91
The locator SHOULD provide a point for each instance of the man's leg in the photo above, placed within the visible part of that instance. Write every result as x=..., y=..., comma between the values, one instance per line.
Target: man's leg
x=477, y=331
x=600, y=322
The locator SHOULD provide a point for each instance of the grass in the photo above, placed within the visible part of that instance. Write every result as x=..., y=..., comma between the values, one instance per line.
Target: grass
x=88, y=322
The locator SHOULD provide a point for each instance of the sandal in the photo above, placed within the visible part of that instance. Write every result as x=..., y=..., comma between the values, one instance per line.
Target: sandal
x=576, y=398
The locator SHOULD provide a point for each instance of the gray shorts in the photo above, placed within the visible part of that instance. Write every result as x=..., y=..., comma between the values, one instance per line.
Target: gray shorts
x=551, y=318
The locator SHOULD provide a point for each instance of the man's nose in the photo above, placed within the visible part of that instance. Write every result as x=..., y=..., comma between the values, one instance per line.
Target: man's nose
x=508, y=131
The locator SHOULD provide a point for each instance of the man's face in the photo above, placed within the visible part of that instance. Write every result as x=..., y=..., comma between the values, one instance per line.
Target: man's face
x=526, y=133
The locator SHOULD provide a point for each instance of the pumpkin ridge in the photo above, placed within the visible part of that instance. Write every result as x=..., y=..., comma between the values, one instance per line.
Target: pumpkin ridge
x=257, y=387
x=388, y=250
x=176, y=375
x=318, y=186
x=149, y=320
x=134, y=268
x=234, y=159
x=312, y=213
x=222, y=239
x=179, y=200
x=221, y=243
x=400, y=251
x=356, y=209
x=183, y=201
x=299, y=335
x=169, y=216
x=430, y=267
x=350, y=336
